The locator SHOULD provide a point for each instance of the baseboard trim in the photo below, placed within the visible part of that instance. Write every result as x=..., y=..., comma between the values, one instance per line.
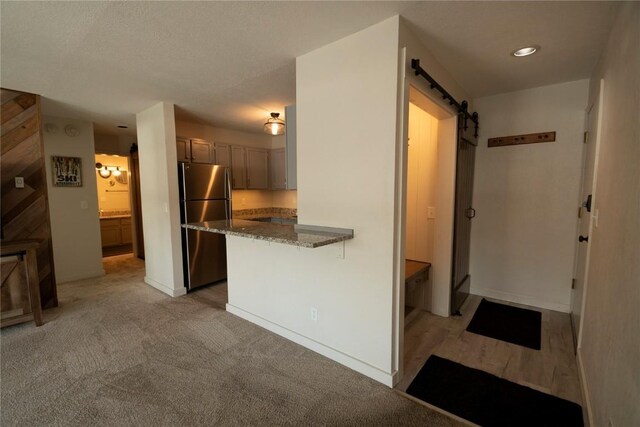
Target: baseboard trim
x=586, y=400
x=81, y=276
x=163, y=288
x=521, y=299
x=333, y=354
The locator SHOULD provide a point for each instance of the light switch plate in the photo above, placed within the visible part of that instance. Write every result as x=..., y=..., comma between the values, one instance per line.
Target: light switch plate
x=84, y=204
x=19, y=182
x=431, y=212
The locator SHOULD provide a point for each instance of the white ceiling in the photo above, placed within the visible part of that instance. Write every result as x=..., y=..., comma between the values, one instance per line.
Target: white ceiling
x=231, y=63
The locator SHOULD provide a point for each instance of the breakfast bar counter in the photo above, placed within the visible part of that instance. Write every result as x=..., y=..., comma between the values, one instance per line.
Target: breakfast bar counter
x=307, y=236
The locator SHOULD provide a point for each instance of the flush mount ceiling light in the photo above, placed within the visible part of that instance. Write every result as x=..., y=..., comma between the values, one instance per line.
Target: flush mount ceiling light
x=526, y=51
x=275, y=125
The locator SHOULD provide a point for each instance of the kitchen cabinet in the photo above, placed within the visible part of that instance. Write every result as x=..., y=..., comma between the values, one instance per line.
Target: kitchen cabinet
x=115, y=231
x=277, y=166
x=257, y=168
x=195, y=150
x=291, y=149
x=223, y=154
x=238, y=167
x=183, y=146
x=202, y=151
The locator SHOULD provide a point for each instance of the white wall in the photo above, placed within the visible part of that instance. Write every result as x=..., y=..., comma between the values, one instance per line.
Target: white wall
x=410, y=48
x=422, y=169
x=346, y=178
x=609, y=355
x=112, y=195
x=526, y=196
x=75, y=230
x=160, y=199
x=113, y=144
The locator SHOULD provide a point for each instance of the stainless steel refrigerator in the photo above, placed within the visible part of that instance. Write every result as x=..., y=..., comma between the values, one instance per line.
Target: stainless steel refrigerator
x=205, y=195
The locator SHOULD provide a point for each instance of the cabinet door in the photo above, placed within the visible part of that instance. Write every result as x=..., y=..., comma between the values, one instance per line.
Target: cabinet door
x=126, y=232
x=238, y=167
x=257, y=168
x=277, y=165
x=201, y=151
x=184, y=149
x=110, y=232
x=223, y=154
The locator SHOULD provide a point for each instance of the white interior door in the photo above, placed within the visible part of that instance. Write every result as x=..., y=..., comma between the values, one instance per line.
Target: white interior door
x=587, y=214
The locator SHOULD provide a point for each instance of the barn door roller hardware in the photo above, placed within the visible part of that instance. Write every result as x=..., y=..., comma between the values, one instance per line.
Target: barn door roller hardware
x=461, y=107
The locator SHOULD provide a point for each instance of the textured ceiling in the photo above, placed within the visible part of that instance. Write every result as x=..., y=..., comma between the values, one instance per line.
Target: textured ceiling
x=231, y=63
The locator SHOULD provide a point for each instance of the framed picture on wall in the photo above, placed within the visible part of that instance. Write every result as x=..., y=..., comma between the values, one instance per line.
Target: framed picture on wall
x=67, y=171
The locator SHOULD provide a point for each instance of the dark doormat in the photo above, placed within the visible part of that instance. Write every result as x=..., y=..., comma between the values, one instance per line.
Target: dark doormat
x=504, y=322
x=488, y=400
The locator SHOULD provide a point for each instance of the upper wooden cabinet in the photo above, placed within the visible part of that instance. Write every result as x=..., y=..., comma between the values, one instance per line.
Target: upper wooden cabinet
x=202, y=151
x=195, y=150
x=238, y=167
x=184, y=149
x=223, y=154
x=251, y=168
x=257, y=168
x=277, y=166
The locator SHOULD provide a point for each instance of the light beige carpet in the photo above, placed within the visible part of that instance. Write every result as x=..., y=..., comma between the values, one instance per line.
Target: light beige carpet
x=118, y=352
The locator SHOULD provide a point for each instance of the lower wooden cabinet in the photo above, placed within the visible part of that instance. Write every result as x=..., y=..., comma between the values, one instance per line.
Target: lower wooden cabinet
x=115, y=231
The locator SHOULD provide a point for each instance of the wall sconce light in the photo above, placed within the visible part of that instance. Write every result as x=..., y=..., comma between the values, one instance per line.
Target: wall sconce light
x=103, y=171
x=106, y=171
x=275, y=125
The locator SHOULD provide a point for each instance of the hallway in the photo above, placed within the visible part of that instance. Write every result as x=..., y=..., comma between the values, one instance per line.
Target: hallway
x=551, y=370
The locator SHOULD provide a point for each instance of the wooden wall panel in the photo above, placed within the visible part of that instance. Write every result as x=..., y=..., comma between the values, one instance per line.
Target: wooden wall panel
x=25, y=211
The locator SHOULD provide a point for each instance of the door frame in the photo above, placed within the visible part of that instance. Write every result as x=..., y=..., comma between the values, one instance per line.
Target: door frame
x=405, y=84
x=594, y=214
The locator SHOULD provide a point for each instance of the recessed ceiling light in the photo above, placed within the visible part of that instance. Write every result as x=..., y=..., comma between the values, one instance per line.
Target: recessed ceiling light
x=526, y=51
x=123, y=127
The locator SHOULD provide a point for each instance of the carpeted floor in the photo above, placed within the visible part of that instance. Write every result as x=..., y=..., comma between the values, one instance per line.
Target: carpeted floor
x=118, y=352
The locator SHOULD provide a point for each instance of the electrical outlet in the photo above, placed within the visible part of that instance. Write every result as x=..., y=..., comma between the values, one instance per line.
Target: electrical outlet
x=431, y=212
x=314, y=314
x=84, y=204
x=19, y=182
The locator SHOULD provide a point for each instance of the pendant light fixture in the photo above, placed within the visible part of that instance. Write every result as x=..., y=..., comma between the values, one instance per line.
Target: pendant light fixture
x=275, y=125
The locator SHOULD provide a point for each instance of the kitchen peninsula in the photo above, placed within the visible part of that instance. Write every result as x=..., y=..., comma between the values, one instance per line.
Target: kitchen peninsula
x=307, y=236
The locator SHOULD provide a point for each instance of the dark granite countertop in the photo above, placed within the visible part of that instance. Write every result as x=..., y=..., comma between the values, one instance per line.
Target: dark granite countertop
x=297, y=235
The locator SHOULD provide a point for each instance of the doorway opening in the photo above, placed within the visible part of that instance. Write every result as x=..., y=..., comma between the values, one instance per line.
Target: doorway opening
x=428, y=215
x=114, y=203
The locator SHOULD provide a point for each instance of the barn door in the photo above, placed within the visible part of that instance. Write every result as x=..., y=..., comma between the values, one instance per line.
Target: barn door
x=464, y=212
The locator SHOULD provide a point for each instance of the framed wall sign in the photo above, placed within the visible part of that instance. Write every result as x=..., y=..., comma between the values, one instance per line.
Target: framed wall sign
x=67, y=171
